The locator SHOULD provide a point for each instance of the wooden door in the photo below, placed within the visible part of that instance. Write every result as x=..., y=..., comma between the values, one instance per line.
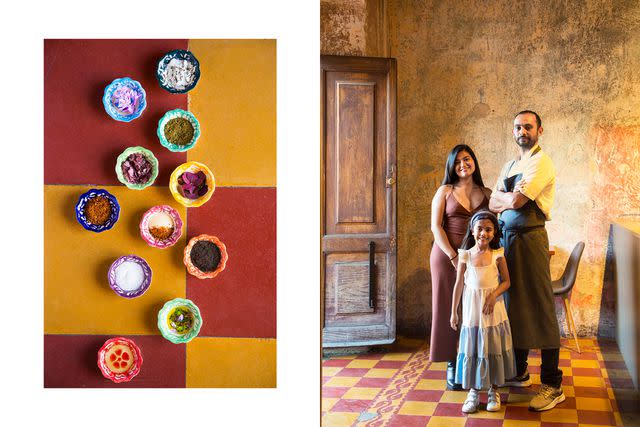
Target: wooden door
x=358, y=226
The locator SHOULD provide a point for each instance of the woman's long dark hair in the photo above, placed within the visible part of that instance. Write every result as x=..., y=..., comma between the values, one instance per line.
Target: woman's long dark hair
x=450, y=175
x=469, y=241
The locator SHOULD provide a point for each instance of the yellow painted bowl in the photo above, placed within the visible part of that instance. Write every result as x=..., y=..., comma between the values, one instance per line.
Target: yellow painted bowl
x=176, y=190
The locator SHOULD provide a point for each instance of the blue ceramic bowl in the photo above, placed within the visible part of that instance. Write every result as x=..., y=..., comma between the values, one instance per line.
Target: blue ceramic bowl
x=133, y=90
x=82, y=219
x=163, y=66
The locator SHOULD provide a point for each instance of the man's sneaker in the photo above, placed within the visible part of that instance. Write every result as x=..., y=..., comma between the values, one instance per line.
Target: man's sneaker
x=519, y=381
x=547, y=398
x=493, y=400
x=470, y=405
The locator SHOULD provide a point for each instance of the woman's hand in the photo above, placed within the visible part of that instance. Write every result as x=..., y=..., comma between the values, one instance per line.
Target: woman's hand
x=454, y=261
x=489, y=302
x=454, y=321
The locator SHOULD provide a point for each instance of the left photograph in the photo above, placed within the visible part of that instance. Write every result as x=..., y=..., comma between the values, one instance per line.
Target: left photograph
x=160, y=213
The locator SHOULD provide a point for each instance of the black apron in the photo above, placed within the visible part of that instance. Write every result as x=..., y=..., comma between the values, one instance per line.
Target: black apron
x=531, y=305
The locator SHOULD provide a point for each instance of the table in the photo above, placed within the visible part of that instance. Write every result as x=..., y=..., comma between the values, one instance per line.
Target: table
x=235, y=104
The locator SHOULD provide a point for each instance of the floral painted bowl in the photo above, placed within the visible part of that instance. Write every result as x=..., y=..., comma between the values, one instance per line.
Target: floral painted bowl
x=150, y=158
x=119, y=359
x=179, y=320
x=176, y=190
x=156, y=216
x=173, y=114
x=178, y=66
x=124, y=99
x=82, y=219
x=195, y=271
x=119, y=288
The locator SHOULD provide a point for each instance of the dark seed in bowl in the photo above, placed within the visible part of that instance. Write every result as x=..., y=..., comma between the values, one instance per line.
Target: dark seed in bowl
x=205, y=255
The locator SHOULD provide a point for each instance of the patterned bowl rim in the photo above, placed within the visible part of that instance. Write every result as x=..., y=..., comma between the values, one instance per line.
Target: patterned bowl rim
x=111, y=275
x=191, y=167
x=177, y=227
x=188, y=55
x=90, y=194
x=195, y=271
x=164, y=313
x=106, y=99
x=149, y=155
x=172, y=114
x=135, y=366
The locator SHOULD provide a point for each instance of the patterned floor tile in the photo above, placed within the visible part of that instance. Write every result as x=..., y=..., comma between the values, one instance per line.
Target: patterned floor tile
x=416, y=395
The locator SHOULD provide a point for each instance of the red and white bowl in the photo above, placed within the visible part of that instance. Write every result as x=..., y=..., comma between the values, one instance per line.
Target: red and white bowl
x=119, y=359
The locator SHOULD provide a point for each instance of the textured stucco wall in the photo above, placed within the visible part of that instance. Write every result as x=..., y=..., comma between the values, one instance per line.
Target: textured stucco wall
x=464, y=69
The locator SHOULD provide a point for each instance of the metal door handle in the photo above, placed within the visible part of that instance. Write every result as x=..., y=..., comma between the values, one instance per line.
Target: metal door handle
x=372, y=247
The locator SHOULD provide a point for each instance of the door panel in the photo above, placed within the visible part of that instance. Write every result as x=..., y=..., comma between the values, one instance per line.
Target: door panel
x=356, y=155
x=358, y=200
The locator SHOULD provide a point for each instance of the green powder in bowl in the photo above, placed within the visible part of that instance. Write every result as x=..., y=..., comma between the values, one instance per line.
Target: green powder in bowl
x=178, y=130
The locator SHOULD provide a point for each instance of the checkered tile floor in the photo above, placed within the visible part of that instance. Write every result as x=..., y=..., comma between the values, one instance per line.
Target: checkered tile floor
x=401, y=387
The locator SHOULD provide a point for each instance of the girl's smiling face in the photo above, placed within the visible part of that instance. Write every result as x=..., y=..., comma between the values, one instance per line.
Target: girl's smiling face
x=483, y=232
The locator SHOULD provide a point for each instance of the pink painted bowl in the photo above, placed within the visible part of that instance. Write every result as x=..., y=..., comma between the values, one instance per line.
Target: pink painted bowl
x=119, y=359
x=147, y=220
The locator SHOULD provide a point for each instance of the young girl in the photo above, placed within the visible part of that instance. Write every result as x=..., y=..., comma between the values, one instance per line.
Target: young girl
x=485, y=352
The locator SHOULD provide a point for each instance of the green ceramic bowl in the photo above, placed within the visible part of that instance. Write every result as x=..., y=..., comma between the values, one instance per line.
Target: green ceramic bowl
x=179, y=320
x=150, y=157
x=173, y=114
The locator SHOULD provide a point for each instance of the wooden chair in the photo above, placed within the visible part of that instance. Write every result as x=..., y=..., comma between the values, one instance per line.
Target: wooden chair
x=564, y=284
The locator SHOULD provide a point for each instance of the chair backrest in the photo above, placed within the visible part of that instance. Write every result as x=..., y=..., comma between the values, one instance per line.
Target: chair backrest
x=571, y=269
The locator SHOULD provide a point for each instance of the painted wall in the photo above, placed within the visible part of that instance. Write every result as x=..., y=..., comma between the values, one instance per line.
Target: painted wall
x=464, y=69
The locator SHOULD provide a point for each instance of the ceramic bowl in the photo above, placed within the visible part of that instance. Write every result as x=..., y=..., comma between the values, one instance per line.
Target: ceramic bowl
x=177, y=226
x=178, y=113
x=176, y=191
x=137, y=105
x=119, y=359
x=195, y=271
x=165, y=320
x=131, y=293
x=179, y=55
x=149, y=156
x=82, y=219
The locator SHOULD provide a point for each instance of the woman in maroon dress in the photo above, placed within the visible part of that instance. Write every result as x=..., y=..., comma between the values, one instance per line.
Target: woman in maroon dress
x=461, y=194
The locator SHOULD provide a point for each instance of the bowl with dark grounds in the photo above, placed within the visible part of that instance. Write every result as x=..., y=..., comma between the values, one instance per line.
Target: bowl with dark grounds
x=179, y=320
x=129, y=276
x=192, y=184
x=178, y=71
x=205, y=256
x=137, y=168
x=119, y=359
x=124, y=99
x=97, y=210
x=161, y=226
x=178, y=130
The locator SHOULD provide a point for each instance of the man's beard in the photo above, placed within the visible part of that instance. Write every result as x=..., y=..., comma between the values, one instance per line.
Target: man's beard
x=525, y=142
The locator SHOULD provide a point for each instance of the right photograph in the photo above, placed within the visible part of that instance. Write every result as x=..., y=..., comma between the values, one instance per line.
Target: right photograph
x=480, y=213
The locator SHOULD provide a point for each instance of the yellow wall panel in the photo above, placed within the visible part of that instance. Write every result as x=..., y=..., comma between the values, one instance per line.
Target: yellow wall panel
x=77, y=296
x=231, y=362
x=235, y=103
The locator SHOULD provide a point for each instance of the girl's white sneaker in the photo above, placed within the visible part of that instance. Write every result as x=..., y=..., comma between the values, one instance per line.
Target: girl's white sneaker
x=471, y=403
x=493, y=400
